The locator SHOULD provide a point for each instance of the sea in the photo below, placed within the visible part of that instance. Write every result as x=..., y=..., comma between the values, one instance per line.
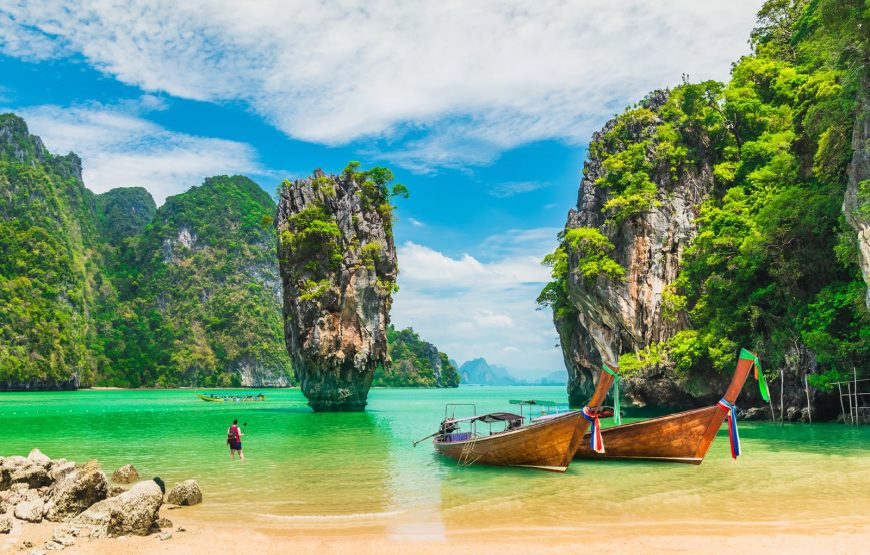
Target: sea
x=316, y=472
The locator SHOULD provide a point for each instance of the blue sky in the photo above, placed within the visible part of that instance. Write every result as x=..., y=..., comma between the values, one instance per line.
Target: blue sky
x=483, y=109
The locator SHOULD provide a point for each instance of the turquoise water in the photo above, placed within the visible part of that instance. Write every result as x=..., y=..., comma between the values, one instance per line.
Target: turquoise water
x=359, y=469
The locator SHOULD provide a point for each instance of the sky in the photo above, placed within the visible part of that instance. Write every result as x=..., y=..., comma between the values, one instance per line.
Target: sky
x=482, y=108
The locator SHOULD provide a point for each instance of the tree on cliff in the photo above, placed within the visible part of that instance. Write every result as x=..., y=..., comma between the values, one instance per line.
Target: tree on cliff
x=757, y=170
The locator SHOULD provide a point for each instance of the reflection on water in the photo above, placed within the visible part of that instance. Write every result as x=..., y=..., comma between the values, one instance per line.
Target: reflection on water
x=340, y=470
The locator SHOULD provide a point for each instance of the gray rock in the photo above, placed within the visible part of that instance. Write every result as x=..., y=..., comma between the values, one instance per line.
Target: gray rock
x=133, y=512
x=754, y=413
x=37, y=457
x=163, y=536
x=115, y=491
x=127, y=474
x=855, y=202
x=22, y=470
x=65, y=535
x=31, y=511
x=337, y=291
x=185, y=493
x=77, y=491
x=164, y=523
x=5, y=524
x=59, y=468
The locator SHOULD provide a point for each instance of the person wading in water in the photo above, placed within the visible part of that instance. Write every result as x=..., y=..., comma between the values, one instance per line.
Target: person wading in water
x=234, y=440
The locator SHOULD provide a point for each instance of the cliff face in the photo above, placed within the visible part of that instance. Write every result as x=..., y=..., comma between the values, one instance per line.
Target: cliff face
x=49, y=268
x=617, y=316
x=105, y=289
x=338, y=268
x=856, y=205
x=207, y=281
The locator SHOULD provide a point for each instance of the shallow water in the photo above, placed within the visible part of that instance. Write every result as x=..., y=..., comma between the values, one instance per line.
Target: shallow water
x=318, y=472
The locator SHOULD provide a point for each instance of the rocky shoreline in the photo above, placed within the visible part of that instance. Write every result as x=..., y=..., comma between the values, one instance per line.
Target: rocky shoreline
x=82, y=502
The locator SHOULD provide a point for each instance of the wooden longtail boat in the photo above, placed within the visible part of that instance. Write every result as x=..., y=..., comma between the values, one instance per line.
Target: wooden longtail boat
x=682, y=437
x=546, y=443
x=231, y=398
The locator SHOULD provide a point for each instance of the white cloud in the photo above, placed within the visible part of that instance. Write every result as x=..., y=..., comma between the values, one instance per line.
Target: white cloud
x=511, y=188
x=119, y=148
x=416, y=223
x=469, y=79
x=471, y=307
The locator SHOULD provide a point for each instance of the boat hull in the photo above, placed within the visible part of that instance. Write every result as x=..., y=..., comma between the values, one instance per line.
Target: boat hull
x=683, y=437
x=543, y=445
x=209, y=399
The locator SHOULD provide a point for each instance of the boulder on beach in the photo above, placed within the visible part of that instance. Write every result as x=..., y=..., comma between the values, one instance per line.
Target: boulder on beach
x=115, y=491
x=76, y=491
x=5, y=524
x=185, y=493
x=37, y=457
x=24, y=471
x=133, y=512
x=31, y=511
x=58, y=468
x=127, y=474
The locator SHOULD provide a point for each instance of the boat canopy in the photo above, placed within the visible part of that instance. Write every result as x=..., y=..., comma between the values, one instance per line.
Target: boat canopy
x=489, y=418
x=533, y=402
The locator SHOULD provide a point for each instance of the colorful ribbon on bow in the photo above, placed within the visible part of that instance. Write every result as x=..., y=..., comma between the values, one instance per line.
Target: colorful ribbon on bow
x=733, y=436
x=596, y=442
x=759, y=375
x=617, y=416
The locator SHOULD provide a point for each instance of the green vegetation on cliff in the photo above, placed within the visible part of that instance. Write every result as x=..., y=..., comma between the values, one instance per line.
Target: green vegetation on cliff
x=416, y=363
x=106, y=289
x=200, y=293
x=49, y=268
x=773, y=265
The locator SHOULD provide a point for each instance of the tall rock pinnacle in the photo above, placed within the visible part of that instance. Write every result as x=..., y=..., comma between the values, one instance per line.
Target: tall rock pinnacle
x=338, y=268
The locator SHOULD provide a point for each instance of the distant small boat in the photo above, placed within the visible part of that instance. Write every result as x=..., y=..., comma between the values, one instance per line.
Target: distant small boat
x=682, y=437
x=547, y=442
x=231, y=398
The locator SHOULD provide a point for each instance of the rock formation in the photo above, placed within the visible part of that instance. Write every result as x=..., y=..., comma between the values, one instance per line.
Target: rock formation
x=75, y=498
x=127, y=474
x=613, y=316
x=76, y=491
x=132, y=512
x=122, y=293
x=185, y=493
x=856, y=205
x=338, y=267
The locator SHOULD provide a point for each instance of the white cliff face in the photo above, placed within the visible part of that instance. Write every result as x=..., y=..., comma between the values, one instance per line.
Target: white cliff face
x=616, y=317
x=337, y=287
x=856, y=205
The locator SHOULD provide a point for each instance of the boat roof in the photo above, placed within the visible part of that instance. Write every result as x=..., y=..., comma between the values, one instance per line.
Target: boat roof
x=490, y=417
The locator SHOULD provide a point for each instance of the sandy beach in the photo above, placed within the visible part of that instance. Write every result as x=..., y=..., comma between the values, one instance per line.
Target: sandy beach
x=202, y=537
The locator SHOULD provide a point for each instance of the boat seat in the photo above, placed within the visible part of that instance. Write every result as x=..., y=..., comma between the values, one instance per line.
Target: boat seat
x=458, y=436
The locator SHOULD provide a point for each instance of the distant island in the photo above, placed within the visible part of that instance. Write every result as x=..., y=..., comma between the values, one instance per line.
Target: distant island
x=479, y=372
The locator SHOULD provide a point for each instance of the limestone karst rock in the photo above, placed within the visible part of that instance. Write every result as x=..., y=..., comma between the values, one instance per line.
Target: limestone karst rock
x=338, y=268
x=615, y=316
x=856, y=205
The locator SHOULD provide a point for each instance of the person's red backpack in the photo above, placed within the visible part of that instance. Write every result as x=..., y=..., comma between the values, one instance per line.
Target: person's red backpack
x=233, y=435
